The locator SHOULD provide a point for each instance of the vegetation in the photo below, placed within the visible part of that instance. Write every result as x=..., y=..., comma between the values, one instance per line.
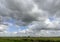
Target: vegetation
x=29, y=39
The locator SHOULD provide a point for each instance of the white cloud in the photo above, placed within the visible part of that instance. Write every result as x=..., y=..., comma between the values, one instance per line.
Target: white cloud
x=3, y=28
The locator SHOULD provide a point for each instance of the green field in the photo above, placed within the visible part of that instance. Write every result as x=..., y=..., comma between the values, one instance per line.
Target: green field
x=29, y=39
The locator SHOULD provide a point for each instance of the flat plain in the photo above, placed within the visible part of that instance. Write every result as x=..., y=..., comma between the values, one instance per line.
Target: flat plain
x=29, y=39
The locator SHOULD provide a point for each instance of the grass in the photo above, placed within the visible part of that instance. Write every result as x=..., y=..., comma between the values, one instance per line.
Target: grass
x=29, y=39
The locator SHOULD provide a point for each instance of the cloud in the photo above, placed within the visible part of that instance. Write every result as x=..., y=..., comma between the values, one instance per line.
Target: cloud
x=3, y=28
x=34, y=14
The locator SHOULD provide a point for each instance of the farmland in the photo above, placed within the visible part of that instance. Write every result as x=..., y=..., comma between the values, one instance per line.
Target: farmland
x=29, y=39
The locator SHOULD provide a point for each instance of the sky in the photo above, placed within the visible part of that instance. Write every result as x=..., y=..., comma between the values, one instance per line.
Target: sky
x=35, y=18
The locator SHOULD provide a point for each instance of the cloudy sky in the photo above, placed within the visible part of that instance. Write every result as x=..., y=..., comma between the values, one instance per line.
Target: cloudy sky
x=38, y=18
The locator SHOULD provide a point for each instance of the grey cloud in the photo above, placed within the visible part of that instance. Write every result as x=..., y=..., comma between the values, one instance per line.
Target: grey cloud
x=51, y=6
x=17, y=10
x=31, y=13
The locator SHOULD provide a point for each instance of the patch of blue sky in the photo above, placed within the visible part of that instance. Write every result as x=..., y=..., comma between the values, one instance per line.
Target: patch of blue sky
x=23, y=27
x=12, y=28
x=11, y=20
x=51, y=18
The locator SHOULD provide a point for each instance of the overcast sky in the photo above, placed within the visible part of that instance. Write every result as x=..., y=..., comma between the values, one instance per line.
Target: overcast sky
x=30, y=18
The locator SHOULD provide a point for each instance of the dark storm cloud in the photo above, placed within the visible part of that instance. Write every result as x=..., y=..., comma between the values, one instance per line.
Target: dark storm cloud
x=17, y=10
